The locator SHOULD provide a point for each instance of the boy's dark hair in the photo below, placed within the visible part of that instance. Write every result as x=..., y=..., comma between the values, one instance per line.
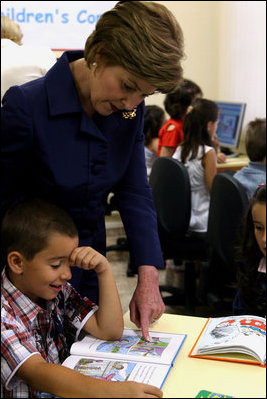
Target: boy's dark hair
x=28, y=224
x=177, y=102
x=256, y=140
x=248, y=256
x=152, y=122
x=195, y=127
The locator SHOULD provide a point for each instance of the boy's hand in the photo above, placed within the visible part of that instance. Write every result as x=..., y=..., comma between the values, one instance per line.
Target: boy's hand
x=89, y=259
x=131, y=389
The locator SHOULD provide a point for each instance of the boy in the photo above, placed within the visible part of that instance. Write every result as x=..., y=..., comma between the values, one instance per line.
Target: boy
x=255, y=173
x=42, y=314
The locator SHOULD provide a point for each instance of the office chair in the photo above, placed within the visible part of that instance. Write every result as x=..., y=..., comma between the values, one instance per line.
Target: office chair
x=121, y=242
x=228, y=203
x=170, y=184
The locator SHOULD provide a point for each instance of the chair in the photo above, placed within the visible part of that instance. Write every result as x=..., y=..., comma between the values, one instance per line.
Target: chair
x=122, y=242
x=170, y=184
x=228, y=203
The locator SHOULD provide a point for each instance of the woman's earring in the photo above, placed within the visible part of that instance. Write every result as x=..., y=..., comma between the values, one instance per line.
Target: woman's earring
x=94, y=64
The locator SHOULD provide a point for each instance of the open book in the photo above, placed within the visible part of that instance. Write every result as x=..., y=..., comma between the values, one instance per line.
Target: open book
x=129, y=359
x=233, y=338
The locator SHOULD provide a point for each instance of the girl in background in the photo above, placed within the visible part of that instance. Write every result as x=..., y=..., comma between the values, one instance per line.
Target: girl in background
x=171, y=134
x=199, y=156
x=153, y=120
x=251, y=267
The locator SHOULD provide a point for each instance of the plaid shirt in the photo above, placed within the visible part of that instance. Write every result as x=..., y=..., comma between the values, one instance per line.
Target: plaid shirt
x=27, y=329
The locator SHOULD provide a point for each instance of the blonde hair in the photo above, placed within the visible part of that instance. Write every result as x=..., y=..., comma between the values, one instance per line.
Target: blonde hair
x=144, y=38
x=10, y=30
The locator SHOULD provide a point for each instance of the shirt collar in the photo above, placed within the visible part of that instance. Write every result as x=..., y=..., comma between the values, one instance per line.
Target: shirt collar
x=63, y=96
x=257, y=165
x=61, y=90
x=8, y=43
x=31, y=308
x=262, y=265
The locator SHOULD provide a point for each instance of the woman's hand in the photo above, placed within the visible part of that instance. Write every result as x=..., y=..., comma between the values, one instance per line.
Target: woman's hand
x=146, y=305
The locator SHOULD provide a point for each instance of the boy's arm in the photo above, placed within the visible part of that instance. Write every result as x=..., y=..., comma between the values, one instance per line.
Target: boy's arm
x=68, y=383
x=107, y=322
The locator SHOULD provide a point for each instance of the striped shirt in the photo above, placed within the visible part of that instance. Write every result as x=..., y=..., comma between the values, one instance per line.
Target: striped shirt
x=28, y=329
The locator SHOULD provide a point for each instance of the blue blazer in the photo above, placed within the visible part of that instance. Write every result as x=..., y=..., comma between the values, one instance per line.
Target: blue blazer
x=52, y=149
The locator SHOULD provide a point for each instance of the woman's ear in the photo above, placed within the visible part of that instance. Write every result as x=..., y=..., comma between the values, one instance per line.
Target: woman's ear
x=15, y=262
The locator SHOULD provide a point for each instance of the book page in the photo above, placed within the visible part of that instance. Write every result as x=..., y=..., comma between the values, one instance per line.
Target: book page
x=162, y=348
x=119, y=370
x=245, y=334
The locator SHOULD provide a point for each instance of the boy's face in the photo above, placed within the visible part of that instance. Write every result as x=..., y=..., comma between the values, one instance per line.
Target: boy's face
x=44, y=275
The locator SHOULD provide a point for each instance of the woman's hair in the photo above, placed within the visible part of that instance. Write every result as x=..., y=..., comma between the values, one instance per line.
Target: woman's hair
x=153, y=121
x=256, y=140
x=10, y=30
x=144, y=38
x=195, y=127
x=248, y=258
x=28, y=224
x=177, y=102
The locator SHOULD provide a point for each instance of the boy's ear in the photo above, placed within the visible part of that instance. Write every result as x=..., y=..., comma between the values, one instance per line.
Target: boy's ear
x=15, y=262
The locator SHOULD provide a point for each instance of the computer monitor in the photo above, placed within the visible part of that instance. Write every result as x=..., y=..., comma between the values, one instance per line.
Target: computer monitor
x=230, y=124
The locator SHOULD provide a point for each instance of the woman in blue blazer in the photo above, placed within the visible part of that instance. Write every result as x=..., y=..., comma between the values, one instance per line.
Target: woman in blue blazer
x=76, y=134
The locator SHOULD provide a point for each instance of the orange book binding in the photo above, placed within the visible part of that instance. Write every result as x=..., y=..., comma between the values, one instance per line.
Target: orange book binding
x=241, y=331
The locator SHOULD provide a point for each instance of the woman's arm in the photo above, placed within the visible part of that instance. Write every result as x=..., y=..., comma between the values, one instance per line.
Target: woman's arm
x=16, y=152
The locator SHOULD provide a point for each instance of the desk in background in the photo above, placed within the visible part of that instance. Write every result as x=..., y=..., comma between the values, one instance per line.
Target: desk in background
x=235, y=163
x=190, y=375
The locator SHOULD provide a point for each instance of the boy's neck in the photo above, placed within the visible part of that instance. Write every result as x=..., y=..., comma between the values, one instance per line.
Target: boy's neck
x=12, y=278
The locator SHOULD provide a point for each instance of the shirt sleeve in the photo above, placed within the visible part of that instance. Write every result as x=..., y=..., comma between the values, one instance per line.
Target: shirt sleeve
x=170, y=137
x=17, y=345
x=77, y=311
x=136, y=206
x=16, y=150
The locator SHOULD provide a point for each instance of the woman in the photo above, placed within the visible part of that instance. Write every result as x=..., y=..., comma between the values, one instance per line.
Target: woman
x=76, y=134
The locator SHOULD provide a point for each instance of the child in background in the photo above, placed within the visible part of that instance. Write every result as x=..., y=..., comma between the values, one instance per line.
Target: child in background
x=192, y=89
x=171, y=134
x=199, y=156
x=153, y=120
x=42, y=314
x=251, y=271
x=255, y=173
x=195, y=92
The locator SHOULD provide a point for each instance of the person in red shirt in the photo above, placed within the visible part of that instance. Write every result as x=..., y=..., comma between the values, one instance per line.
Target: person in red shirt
x=171, y=134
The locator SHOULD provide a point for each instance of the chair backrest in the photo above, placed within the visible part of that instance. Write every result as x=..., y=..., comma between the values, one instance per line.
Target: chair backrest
x=228, y=203
x=171, y=190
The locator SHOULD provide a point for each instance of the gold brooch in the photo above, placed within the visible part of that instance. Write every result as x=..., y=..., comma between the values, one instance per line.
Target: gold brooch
x=129, y=114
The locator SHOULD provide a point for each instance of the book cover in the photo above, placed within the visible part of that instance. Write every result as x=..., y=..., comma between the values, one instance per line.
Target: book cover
x=234, y=338
x=208, y=394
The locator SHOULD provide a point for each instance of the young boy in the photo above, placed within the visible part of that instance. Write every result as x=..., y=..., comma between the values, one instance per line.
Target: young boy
x=42, y=314
x=255, y=173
